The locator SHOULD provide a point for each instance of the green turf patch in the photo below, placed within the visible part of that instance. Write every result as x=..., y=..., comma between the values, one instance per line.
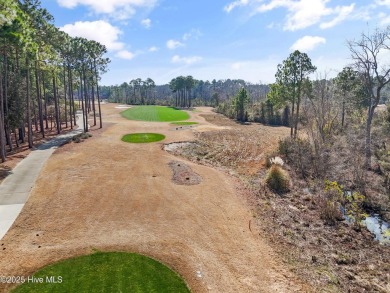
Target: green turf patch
x=155, y=113
x=184, y=123
x=106, y=272
x=142, y=137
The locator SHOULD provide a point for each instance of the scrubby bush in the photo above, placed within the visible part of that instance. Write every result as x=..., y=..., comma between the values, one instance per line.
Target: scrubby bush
x=77, y=138
x=85, y=135
x=354, y=203
x=330, y=211
x=277, y=179
x=329, y=203
x=309, y=160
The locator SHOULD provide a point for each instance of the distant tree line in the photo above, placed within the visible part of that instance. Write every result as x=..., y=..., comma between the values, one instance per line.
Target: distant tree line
x=43, y=72
x=182, y=91
x=136, y=92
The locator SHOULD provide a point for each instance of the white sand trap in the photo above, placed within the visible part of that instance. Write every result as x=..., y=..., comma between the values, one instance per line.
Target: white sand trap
x=122, y=107
x=204, y=128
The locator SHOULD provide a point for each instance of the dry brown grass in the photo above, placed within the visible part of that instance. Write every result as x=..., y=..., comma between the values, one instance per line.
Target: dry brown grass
x=232, y=147
x=242, y=147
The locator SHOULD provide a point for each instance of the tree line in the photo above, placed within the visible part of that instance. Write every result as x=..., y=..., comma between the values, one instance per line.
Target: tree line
x=182, y=91
x=43, y=73
x=137, y=91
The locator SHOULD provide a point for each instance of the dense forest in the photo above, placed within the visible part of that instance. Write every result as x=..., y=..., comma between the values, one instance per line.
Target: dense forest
x=43, y=71
x=182, y=91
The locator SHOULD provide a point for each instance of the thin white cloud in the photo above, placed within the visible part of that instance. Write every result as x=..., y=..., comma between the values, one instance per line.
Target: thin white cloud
x=383, y=2
x=193, y=34
x=186, y=60
x=228, y=8
x=304, y=13
x=343, y=13
x=100, y=31
x=119, y=9
x=307, y=43
x=153, y=49
x=174, y=44
x=124, y=54
x=147, y=23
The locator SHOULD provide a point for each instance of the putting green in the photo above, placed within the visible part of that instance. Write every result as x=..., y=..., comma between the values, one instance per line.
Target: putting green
x=155, y=113
x=184, y=123
x=142, y=137
x=105, y=272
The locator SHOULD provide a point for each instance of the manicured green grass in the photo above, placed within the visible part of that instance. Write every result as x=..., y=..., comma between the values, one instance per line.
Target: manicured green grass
x=184, y=123
x=142, y=137
x=107, y=272
x=155, y=113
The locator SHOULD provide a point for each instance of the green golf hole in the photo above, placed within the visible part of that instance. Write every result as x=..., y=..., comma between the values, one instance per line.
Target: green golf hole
x=105, y=272
x=142, y=137
x=155, y=114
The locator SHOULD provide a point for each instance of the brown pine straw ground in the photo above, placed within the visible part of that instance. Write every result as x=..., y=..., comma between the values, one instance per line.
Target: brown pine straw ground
x=109, y=195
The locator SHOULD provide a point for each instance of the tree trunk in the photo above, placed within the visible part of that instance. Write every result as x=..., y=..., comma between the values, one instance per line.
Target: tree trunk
x=28, y=106
x=66, y=109
x=86, y=101
x=56, y=107
x=292, y=123
x=16, y=138
x=71, y=104
x=343, y=115
x=45, y=103
x=2, y=134
x=297, y=114
x=6, y=112
x=93, y=98
x=367, y=147
x=39, y=99
x=98, y=96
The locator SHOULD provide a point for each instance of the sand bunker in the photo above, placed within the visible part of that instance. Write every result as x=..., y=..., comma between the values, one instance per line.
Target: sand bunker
x=122, y=107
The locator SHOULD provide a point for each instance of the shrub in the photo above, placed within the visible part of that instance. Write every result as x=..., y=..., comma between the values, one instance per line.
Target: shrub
x=330, y=211
x=329, y=203
x=355, y=208
x=278, y=179
x=85, y=135
x=308, y=160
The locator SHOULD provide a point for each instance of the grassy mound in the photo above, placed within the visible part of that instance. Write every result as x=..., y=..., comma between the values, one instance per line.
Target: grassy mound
x=184, y=123
x=278, y=179
x=106, y=272
x=155, y=113
x=142, y=137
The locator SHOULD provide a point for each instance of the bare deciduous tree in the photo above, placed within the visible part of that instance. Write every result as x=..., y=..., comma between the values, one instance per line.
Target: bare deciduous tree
x=368, y=55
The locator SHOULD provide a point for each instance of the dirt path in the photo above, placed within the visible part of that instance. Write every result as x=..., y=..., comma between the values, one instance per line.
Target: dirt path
x=109, y=195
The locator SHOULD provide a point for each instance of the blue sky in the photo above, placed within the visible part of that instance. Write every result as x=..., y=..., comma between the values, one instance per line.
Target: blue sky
x=219, y=39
